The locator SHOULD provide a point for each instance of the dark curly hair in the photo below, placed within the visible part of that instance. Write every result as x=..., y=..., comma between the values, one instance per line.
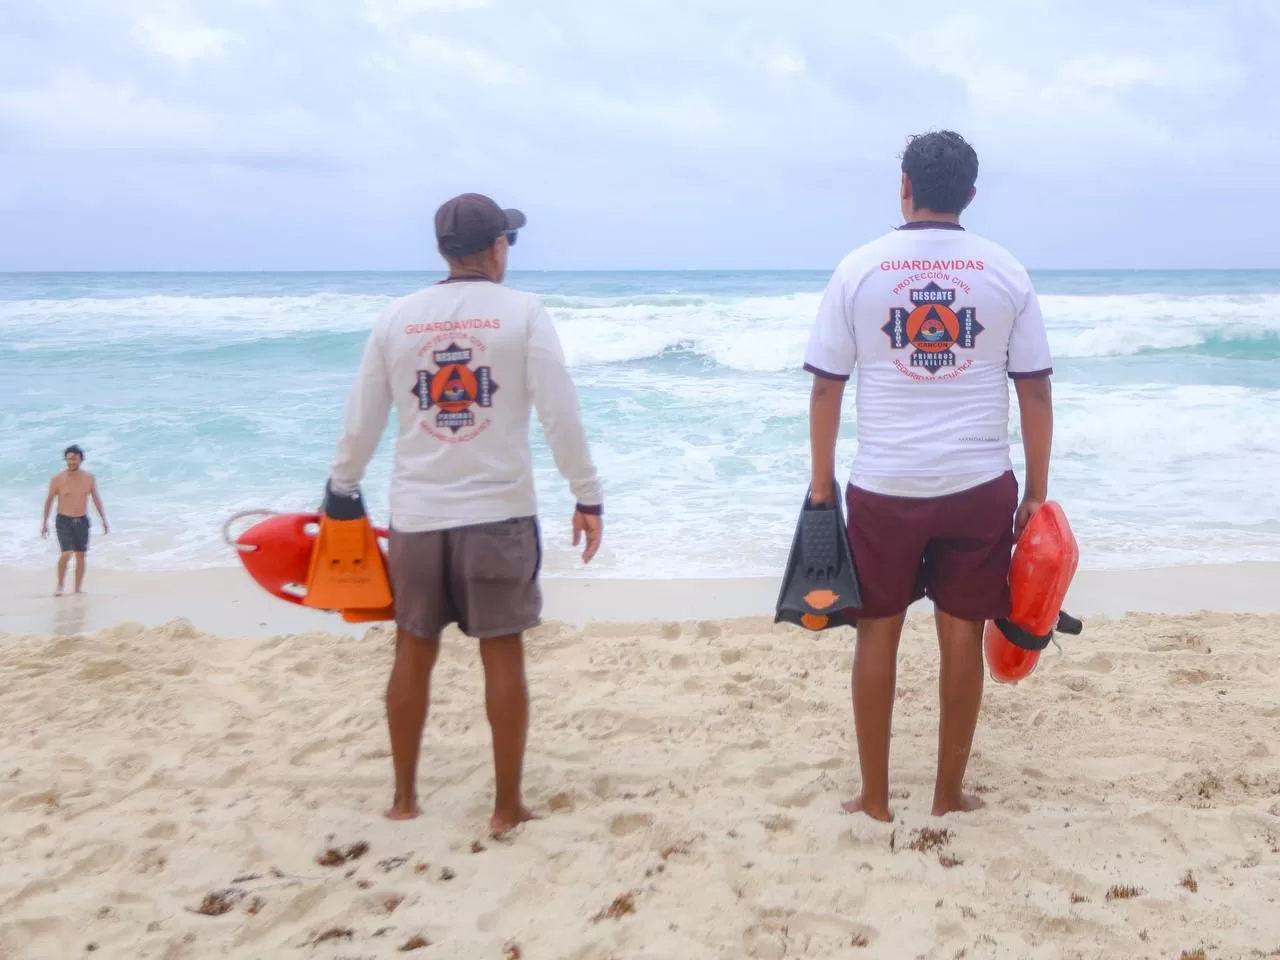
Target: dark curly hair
x=943, y=169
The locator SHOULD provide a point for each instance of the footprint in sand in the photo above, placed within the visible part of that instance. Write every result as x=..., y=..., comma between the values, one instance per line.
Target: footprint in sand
x=129, y=765
x=102, y=670
x=625, y=823
x=301, y=756
x=106, y=856
x=561, y=802
x=164, y=830
x=777, y=823
x=1192, y=678
x=1098, y=664
x=44, y=798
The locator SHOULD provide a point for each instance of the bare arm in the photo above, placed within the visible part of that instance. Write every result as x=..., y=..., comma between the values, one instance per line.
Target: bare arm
x=1035, y=407
x=831, y=355
x=825, y=401
x=48, y=503
x=97, y=502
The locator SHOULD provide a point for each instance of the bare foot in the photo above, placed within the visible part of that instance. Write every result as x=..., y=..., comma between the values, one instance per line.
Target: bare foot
x=403, y=810
x=875, y=811
x=965, y=803
x=502, y=821
x=58, y=592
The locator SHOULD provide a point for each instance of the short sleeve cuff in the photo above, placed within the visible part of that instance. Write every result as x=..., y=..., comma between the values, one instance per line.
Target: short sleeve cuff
x=825, y=374
x=1031, y=374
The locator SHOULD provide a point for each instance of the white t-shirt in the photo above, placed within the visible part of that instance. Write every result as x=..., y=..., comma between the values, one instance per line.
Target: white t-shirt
x=934, y=319
x=464, y=362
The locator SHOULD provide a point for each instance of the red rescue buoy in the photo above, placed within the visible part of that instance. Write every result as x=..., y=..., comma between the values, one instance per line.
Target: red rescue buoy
x=276, y=553
x=1044, y=562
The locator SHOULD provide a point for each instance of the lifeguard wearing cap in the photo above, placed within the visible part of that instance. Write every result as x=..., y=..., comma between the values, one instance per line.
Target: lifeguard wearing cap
x=471, y=222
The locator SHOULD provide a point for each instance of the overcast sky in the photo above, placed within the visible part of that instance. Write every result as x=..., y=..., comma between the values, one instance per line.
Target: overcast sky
x=322, y=134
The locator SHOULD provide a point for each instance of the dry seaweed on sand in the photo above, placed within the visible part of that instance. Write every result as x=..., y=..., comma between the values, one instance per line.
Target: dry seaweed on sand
x=333, y=933
x=337, y=856
x=414, y=943
x=218, y=902
x=622, y=905
x=928, y=838
x=1123, y=892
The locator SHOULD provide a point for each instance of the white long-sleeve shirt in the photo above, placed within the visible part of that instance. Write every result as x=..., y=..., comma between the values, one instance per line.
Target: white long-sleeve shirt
x=464, y=362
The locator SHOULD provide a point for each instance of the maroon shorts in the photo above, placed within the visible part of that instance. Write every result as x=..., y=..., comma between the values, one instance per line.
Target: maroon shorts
x=953, y=549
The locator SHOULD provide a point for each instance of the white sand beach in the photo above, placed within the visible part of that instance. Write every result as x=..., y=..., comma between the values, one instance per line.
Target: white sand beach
x=174, y=740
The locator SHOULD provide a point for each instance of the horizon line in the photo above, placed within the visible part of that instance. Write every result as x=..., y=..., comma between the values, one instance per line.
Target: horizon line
x=528, y=270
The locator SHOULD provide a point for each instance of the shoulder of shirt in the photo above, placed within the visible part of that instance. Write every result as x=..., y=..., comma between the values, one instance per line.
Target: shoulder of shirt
x=997, y=254
x=862, y=259
x=419, y=301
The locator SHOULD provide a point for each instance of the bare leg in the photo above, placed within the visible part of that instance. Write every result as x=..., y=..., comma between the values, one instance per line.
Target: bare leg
x=960, y=689
x=79, y=571
x=506, y=701
x=875, y=679
x=408, y=693
x=62, y=573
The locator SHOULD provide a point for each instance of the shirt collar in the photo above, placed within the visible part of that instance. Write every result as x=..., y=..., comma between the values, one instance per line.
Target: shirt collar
x=930, y=225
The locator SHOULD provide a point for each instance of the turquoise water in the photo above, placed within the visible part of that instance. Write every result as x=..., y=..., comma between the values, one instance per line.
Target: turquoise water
x=196, y=395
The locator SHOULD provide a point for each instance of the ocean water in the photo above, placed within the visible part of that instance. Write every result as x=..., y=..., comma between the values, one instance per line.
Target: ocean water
x=197, y=395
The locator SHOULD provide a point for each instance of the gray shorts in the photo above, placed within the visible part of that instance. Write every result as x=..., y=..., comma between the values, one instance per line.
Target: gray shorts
x=484, y=578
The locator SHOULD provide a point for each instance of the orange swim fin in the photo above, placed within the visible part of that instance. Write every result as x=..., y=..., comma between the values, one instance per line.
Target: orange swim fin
x=347, y=570
x=353, y=615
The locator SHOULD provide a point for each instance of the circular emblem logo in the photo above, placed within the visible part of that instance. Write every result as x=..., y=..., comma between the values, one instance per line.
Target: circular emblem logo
x=932, y=328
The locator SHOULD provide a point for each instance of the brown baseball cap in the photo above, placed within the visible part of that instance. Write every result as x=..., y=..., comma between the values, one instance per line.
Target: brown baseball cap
x=470, y=222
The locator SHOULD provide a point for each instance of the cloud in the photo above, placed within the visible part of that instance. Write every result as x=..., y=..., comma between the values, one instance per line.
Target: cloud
x=388, y=14
x=785, y=62
x=181, y=41
x=723, y=132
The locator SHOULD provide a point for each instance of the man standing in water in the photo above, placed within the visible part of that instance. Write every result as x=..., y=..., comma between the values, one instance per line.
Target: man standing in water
x=933, y=319
x=72, y=488
x=465, y=362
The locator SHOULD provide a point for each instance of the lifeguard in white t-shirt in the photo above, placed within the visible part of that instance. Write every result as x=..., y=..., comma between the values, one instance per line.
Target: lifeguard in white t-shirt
x=932, y=321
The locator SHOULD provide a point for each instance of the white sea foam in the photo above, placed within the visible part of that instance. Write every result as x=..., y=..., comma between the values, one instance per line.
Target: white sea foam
x=750, y=334
x=695, y=405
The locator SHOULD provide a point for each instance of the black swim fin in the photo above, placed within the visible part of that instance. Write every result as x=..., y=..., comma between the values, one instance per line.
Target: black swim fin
x=820, y=585
x=1069, y=624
